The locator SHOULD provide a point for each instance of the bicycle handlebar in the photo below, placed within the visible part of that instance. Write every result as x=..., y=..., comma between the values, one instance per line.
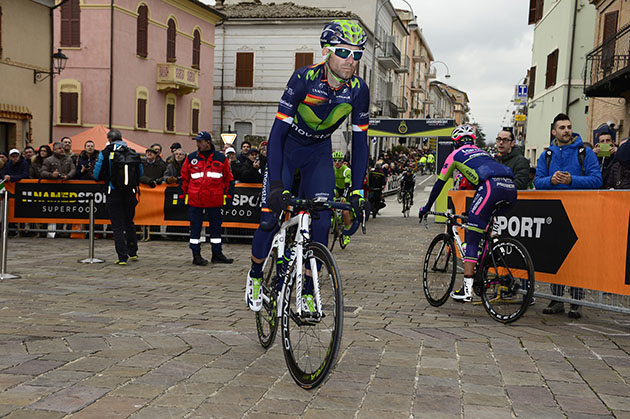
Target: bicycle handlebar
x=316, y=204
x=451, y=217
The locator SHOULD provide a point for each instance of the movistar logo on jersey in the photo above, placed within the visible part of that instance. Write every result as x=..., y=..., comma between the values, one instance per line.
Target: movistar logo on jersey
x=313, y=74
x=309, y=117
x=355, y=83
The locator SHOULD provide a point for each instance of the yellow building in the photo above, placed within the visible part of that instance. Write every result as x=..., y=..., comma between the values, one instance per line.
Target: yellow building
x=25, y=46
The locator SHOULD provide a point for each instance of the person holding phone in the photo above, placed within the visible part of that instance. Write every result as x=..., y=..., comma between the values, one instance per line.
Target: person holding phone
x=605, y=149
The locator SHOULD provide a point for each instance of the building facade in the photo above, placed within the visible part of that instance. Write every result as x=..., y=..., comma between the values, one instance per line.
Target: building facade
x=563, y=34
x=25, y=46
x=607, y=80
x=255, y=58
x=145, y=67
x=417, y=80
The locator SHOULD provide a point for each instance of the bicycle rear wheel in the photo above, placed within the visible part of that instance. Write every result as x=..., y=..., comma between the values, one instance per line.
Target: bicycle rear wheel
x=406, y=202
x=440, y=270
x=267, y=317
x=310, y=346
x=508, y=280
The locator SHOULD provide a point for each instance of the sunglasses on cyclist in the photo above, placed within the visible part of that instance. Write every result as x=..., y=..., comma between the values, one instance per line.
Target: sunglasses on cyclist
x=337, y=160
x=345, y=53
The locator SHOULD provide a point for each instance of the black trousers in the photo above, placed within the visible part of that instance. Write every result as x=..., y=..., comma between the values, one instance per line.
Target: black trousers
x=121, y=206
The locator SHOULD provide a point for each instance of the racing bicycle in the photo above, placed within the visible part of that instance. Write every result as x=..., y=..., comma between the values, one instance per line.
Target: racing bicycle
x=406, y=202
x=504, y=274
x=310, y=339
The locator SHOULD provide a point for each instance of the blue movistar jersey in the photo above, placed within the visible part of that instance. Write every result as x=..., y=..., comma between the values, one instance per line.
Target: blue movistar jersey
x=310, y=111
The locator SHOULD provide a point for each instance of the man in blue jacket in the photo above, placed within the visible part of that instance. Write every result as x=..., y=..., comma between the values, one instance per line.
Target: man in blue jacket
x=16, y=168
x=567, y=164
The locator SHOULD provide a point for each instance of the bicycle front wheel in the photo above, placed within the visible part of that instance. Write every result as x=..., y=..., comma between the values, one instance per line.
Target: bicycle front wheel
x=267, y=317
x=440, y=270
x=508, y=280
x=311, y=345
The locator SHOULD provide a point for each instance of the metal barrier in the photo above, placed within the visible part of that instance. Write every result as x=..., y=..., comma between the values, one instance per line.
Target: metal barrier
x=594, y=299
x=91, y=259
x=5, y=236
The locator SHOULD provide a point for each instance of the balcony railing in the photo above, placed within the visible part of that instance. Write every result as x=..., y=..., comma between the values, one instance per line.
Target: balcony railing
x=182, y=80
x=607, y=71
x=387, y=108
x=404, y=66
x=389, y=55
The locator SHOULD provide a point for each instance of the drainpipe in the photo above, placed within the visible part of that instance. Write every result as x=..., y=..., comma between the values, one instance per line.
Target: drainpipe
x=575, y=7
x=222, y=72
x=111, y=60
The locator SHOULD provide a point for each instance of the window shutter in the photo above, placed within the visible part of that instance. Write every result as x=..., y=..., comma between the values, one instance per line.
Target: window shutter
x=608, y=41
x=142, y=33
x=76, y=24
x=170, y=117
x=171, y=33
x=540, y=5
x=195, y=120
x=552, y=69
x=196, y=51
x=532, y=12
x=66, y=15
x=69, y=108
x=302, y=59
x=245, y=69
x=532, y=82
x=142, y=113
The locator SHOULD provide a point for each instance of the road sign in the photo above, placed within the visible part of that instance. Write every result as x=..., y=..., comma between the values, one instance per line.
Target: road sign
x=228, y=137
x=521, y=91
x=520, y=117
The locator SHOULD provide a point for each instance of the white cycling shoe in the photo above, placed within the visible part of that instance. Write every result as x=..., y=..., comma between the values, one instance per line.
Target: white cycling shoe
x=464, y=294
x=253, y=293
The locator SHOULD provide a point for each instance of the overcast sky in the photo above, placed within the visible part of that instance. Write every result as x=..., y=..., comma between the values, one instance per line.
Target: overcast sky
x=487, y=46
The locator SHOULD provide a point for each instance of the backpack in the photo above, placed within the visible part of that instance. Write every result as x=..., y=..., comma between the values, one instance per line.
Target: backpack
x=124, y=166
x=581, y=157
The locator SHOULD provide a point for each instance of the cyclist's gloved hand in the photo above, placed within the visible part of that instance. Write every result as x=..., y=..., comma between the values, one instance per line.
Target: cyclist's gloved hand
x=278, y=197
x=358, y=203
x=423, y=212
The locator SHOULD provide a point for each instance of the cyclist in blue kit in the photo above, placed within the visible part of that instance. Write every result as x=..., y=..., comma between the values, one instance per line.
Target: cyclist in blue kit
x=315, y=102
x=493, y=182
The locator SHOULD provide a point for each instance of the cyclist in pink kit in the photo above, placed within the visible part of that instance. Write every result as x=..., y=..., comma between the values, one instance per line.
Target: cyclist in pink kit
x=493, y=182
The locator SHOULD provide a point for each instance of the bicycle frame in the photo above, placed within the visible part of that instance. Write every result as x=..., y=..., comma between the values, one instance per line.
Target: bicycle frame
x=293, y=271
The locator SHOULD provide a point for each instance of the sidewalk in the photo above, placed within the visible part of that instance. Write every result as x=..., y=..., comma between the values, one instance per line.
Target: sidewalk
x=162, y=338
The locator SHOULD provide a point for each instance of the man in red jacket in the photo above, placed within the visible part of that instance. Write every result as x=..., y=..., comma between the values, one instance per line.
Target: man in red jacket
x=207, y=182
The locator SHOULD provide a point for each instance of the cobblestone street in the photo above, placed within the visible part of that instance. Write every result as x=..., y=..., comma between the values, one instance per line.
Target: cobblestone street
x=162, y=338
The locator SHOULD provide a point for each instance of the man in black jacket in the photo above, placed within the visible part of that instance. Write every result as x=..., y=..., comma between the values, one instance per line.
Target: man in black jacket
x=16, y=168
x=511, y=155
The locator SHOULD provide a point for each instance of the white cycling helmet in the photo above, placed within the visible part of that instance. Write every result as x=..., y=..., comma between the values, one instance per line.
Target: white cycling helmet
x=464, y=134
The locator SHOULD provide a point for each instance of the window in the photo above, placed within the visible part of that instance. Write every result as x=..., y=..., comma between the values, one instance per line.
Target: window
x=552, y=69
x=68, y=101
x=142, y=101
x=142, y=32
x=608, y=45
x=302, y=59
x=535, y=11
x=244, y=69
x=532, y=82
x=196, y=50
x=195, y=106
x=171, y=34
x=170, y=113
x=71, y=24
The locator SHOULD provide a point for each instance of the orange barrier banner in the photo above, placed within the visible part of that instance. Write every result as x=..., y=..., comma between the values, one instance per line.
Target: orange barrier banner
x=576, y=238
x=48, y=201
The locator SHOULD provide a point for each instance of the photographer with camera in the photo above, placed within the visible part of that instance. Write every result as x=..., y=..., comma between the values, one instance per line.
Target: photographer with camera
x=250, y=172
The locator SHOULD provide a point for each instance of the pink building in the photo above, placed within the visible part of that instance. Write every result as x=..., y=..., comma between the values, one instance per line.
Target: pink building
x=149, y=74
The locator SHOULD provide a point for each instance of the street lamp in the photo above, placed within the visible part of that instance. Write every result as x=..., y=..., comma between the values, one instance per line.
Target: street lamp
x=447, y=75
x=59, y=63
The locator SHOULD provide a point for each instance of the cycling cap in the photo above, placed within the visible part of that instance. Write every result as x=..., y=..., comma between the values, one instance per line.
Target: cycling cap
x=464, y=134
x=337, y=155
x=343, y=32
